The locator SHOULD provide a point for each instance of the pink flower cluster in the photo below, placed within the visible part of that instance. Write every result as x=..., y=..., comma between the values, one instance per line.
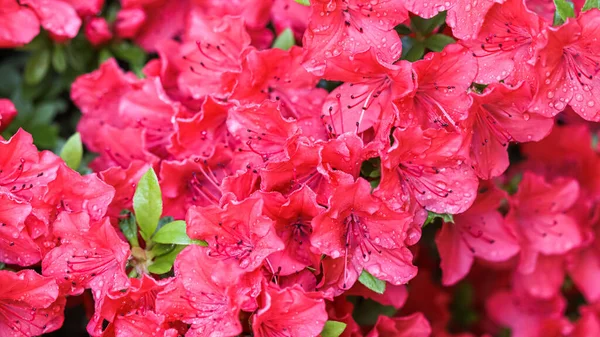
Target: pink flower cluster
x=266, y=167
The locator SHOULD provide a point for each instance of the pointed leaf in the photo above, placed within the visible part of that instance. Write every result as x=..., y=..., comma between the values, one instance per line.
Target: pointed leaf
x=303, y=2
x=163, y=264
x=427, y=26
x=72, y=151
x=333, y=329
x=372, y=282
x=59, y=58
x=437, y=42
x=564, y=9
x=589, y=4
x=285, y=40
x=147, y=203
x=173, y=232
x=37, y=66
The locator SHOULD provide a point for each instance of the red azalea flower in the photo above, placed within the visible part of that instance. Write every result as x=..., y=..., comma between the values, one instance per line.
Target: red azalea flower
x=568, y=69
x=262, y=129
x=212, y=50
x=29, y=304
x=7, y=113
x=86, y=8
x=195, y=298
x=237, y=232
x=292, y=216
x=277, y=75
x=19, y=25
x=97, y=31
x=497, y=117
x=292, y=15
x=91, y=255
x=23, y=170
x=567, y=152
x=537, y=218
x=192, y=182
x=393, y=295
x=346, y=153
x=415, y=325
x=427, y=168
x=129, y=22
x=478, y=232
x=440, y=97
x=465, y=17
x=365, y=103
x=254, y=13
x=505, y=46
x=16, y=245
x=274, y=316
x=134, y=308
x=365, y=234
x=340, y=310
x=57, y=17
x=545, y=281
x=339, y=29
x=209, y=123
x=164, y=20
x=299, y=167
x=72, y=193
x=525, y=316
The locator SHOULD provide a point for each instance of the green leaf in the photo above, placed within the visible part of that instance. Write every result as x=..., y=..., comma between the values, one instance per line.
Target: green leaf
x=589, y=4
x=333, y=329
x=163, y=264
x=431, y=216
x=160, y=249
x=37, y=66
x=402, y=30
x=372, y=282
x=59, y=58
x=104, y=55
x=147, y=203
x=132, y=54
x=427, y=26
x=416, y=52
x=44, y=136
x=564, y=9
x=303, y=2
x=437, y=42
x=72, y=151
x=173, y=232
x=285, y=40
x=129, y=227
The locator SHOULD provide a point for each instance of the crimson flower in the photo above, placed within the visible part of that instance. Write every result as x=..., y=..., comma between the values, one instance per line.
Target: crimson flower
x=568, y=69
x=196, y=298
x=410, y=326
x=290, y=311
x=340, y=29
x=478, y=232
x=537, y=218
x=91, y=255
x=7, y=113
x=497, y=117
x=292, y=216
x=427, y=167
x=30, y=304
x=439, y=99
x=362, y=233
x=506, y=45
x=238, y=232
